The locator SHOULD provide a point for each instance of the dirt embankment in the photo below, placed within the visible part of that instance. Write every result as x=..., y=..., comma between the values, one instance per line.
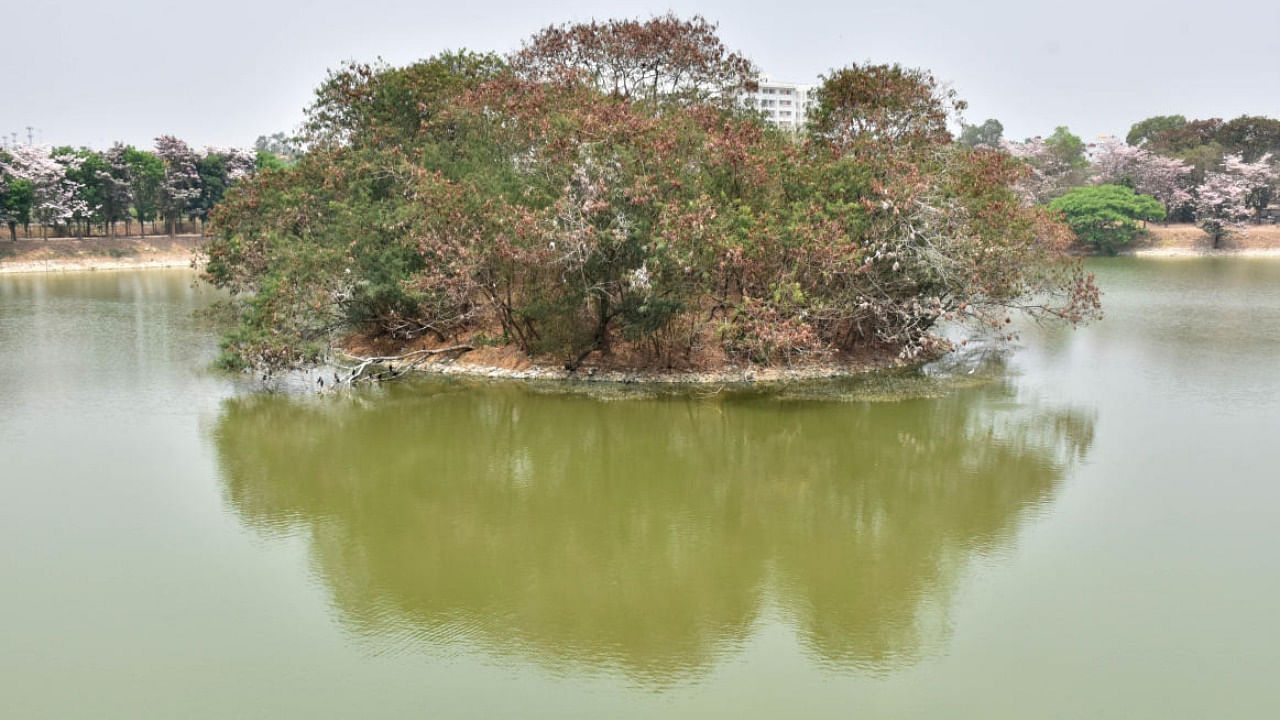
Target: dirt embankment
x=69, y=254
x=475, y=354
x=1190, y=241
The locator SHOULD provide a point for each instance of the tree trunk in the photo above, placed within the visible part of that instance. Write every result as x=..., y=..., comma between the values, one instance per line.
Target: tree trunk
x=13, y=231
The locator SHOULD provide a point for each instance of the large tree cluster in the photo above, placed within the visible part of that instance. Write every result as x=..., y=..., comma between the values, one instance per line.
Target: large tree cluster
x=75, y=190
x=1217, y=174
x=603, y=191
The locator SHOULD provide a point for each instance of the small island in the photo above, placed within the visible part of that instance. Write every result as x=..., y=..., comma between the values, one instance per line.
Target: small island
x=603, y=201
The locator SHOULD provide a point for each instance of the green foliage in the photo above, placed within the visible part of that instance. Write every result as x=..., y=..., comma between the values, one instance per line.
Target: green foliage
x=1144, y=131
x=883, y=104
x=1251, y=137
x=146, y=175
x=1067, y=149
x=268, y=160
x=212, y=170
x=987, y=134
x=17, y=196
x=364, y=104
x=1107, y=217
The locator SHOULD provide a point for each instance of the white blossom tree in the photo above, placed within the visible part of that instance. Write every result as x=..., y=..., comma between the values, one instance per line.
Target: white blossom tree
x=56, y=198
x=181, y=184
x=116, y=192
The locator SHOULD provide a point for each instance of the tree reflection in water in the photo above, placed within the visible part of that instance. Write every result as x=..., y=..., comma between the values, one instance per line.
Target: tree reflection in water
x=645, y=536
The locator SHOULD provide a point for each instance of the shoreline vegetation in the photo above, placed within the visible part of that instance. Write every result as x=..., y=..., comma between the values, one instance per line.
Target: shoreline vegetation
x=34, y=255
x=612, y=200
x=483, y=360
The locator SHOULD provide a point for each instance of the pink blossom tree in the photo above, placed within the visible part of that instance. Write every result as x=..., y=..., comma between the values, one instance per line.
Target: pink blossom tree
x=1113, y=162
x=1050, y=173
x=1259, y=179
x=1228, y=197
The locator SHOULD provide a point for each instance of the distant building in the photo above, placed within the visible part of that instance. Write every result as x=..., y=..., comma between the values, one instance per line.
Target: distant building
x=783, y=104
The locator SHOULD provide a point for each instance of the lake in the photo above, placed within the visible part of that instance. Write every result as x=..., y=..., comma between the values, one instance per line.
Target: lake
x=1090, y=530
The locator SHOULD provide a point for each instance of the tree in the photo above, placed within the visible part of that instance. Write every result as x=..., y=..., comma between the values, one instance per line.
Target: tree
x=280, y=145
x=267, y=160
x=1067, y=149
x=180, y=187
x=1175, y=139
x=88, y=170
x=1107, y=217
x=219, y=168
x=360, y=104
x=663, y=57
x=1166, y=179
x=146, y=176
x=1050, y=172
x=55, y=197
x=1221, y=205
x=883, y=106
x=1142, y=132
x=16, y=195
x=1250, y=137
x=1257, y=178
x=988, y=134
x=117, y=195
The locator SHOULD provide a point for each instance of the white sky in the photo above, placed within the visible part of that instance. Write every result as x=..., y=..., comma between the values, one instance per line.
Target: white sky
x=87, y=72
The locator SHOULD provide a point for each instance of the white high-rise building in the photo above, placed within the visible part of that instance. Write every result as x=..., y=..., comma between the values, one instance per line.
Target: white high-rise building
x=783, y=104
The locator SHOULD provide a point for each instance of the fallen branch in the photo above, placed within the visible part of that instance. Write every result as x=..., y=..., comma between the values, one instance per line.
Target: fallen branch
x=418, y=356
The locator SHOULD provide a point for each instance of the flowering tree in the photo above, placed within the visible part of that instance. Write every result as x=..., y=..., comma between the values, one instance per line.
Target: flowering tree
x=55, y=197
x=1220, y=205
x=1259, y=179
x=15, y=195
x=1049, y=174
x=180, y=187
x=116, y=194
x=1228, y=197
x=1113, y=162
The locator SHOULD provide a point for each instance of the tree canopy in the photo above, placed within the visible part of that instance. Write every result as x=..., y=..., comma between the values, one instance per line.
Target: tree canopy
x=1107, y=217
x=566, y=202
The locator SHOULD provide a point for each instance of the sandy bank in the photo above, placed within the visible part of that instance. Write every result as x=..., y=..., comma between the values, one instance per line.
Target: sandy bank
x=1186, y=240
x=71, y=255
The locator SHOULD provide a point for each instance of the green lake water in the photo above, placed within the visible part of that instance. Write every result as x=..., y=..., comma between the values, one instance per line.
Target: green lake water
x=1091, y=531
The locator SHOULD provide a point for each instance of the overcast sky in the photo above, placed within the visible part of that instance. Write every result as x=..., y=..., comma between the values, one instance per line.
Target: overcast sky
x=87, y=72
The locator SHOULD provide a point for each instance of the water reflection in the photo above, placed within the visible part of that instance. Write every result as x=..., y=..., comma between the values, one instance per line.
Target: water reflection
x=648, y=536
